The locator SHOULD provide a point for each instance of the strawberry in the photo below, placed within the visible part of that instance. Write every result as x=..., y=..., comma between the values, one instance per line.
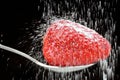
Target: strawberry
x=67, y=43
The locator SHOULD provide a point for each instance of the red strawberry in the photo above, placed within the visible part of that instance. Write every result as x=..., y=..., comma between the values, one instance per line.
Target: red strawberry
x=67, y=43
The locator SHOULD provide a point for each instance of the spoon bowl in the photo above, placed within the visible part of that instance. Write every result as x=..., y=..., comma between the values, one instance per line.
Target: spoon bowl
x=51, y=68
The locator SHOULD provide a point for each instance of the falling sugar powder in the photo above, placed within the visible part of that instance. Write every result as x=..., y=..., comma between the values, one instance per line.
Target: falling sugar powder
x=98, y=19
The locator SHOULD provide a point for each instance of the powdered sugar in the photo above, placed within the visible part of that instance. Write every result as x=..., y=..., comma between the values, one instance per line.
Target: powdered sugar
x=88, y=33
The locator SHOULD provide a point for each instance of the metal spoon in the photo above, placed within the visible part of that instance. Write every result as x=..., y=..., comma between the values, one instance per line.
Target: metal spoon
x=52, y=68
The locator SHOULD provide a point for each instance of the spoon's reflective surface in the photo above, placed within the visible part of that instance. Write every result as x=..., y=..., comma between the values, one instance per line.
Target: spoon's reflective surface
x=52, y=68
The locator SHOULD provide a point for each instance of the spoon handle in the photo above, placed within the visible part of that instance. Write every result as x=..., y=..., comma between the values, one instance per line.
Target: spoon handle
x=22, y=54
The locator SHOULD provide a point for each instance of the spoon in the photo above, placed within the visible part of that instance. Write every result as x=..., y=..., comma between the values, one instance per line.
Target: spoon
x=51, y=68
